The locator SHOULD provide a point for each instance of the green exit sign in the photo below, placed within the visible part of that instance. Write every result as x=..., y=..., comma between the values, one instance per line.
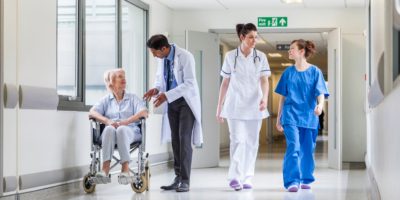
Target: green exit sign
x=272, y=22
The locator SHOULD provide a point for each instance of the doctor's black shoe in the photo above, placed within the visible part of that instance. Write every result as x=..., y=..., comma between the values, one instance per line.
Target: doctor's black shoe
x=183, y=187
x=174, y=184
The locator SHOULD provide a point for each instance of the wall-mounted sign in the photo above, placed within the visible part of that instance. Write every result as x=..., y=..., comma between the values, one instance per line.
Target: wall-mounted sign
x=283, y=47
x=272, y=22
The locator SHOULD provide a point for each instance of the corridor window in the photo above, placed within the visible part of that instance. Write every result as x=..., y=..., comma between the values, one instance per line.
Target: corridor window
x=67, y=47
x=100, y=46
x=134, y=47
x=94, y=36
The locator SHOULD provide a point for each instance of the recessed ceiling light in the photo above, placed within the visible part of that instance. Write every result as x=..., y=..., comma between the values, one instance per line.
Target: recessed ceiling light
x=275, y=55
x=287, y=64
x=261, y=41
x=325, y=33
x=292, y=1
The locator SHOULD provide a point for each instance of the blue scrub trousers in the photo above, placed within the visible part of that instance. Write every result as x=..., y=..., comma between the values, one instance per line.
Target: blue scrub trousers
x=298, y=164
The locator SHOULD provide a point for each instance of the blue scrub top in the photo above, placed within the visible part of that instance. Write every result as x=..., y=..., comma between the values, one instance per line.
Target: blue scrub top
x=129, y=106
x=301, y=90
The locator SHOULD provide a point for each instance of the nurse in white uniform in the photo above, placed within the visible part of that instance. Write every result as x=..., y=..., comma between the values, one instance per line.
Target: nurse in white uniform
x=245, y=92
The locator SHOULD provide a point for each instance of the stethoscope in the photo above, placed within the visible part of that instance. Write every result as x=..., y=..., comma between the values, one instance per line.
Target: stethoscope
x=254, y=60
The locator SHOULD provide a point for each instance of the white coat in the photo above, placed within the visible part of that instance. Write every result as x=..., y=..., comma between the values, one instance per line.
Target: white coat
x=185, y=75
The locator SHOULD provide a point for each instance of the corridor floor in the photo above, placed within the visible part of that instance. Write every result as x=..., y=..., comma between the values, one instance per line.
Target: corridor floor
x=211, y=183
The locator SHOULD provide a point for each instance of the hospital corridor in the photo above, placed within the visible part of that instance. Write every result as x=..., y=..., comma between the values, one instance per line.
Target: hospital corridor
x=199, y=99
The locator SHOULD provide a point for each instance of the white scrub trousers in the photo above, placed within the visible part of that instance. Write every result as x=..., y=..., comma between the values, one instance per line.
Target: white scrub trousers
x=244, y=135
x=123, y=136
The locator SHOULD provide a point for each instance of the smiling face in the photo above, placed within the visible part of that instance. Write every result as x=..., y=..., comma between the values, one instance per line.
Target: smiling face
x=119, y=82
x=295, y=52
x=250, y=39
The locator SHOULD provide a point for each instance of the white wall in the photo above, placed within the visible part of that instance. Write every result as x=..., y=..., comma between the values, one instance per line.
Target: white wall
x=385, y=132
x=350, y=20
x=204, y=20
x=38, y=140
x=354, y=130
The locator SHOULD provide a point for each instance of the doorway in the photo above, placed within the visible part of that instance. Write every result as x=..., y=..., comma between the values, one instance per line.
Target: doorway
x=327, y=58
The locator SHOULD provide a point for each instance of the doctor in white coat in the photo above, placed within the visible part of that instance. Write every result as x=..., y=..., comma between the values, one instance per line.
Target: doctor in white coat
x=245, y=86
x=176, y=85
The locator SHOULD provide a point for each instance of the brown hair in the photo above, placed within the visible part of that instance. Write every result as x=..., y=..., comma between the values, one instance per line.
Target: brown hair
x=243, y=29
x=308, y=46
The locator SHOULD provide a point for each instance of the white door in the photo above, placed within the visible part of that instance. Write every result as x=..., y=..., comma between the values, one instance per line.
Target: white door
x=334, y=105
x=205, y=49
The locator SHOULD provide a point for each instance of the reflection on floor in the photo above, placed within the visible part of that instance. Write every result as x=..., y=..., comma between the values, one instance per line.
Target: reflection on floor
x=211, y=183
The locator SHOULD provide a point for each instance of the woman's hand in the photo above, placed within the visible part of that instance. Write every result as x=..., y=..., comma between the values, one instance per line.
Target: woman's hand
x=278, y=125
x=112, y=123
x=123, y=123
x=318, y=110
x=263, y=103
x=220, y=119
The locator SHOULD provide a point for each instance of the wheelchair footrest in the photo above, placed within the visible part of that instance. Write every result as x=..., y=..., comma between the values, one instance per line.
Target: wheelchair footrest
x=128, y=180
x=102, y=180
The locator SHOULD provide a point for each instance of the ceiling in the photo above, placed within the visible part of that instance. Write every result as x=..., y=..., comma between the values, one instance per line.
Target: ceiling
x=320, y=59
x=259, y=4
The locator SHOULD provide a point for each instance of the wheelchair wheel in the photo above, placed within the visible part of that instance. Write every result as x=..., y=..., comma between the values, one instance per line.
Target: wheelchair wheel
x=89, y=188
x=141, y=186
x=147, y=174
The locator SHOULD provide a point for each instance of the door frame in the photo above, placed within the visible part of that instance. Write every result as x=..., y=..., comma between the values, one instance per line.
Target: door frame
x=1, y=92
x=339, y=88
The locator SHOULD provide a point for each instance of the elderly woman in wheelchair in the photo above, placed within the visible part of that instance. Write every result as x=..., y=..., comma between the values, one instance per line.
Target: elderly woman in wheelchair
x=121, y=112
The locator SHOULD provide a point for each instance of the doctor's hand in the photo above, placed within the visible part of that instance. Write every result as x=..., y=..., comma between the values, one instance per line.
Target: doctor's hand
x=318, y=110
x=220, y=119
x=149, y=94
x=263, y=104
x=112, y=123
x=161, y=98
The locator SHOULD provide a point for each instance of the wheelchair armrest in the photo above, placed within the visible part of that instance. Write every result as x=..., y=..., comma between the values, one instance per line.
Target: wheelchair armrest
x=96, y=131
x=143, y=132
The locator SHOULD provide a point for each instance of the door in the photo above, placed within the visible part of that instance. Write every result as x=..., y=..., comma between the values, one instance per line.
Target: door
x=334, y=87
x=205, y=49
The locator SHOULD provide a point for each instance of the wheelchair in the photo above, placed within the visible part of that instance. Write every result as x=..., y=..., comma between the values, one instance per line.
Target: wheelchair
x=139, y=181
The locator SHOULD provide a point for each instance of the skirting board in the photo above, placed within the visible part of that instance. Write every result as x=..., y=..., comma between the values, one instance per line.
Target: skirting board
x=374, y=186
x=29, y=181
x=54, y=191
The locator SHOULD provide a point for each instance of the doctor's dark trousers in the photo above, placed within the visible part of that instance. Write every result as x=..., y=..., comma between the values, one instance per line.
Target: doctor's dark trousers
x=181, y=121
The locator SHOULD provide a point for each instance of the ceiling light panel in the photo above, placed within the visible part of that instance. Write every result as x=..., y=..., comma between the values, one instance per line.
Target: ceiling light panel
x=275, y=55
x=286, y=64
x=292, y=1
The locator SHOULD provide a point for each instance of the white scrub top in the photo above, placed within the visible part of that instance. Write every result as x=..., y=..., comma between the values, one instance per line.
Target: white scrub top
x=244, y=92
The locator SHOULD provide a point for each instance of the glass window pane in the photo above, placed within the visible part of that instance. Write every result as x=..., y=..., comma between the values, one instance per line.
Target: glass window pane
x=133, y=47
x=66, y=47
x=100, y=46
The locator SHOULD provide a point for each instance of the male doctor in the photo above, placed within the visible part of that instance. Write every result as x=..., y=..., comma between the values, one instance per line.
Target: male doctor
x=176, y=84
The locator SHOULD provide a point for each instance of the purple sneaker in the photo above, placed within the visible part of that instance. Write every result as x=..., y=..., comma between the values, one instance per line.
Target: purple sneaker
x=305, y=186
x=235, y=185
x=247, y=186
x=293, y=188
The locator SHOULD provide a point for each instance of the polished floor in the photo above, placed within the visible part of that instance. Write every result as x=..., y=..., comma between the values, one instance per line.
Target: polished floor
x=211, y=183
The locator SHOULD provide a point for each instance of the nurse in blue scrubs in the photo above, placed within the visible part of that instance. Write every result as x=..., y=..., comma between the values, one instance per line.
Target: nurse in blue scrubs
x=303, y=91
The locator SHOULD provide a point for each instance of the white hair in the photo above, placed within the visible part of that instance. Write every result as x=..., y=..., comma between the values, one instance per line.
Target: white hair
x=109, y=77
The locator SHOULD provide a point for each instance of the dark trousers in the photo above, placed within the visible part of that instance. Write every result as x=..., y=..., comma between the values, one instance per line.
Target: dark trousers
x=181, y=121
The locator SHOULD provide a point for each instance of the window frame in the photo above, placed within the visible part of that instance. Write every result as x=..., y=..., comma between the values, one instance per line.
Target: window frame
x=70, y=103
